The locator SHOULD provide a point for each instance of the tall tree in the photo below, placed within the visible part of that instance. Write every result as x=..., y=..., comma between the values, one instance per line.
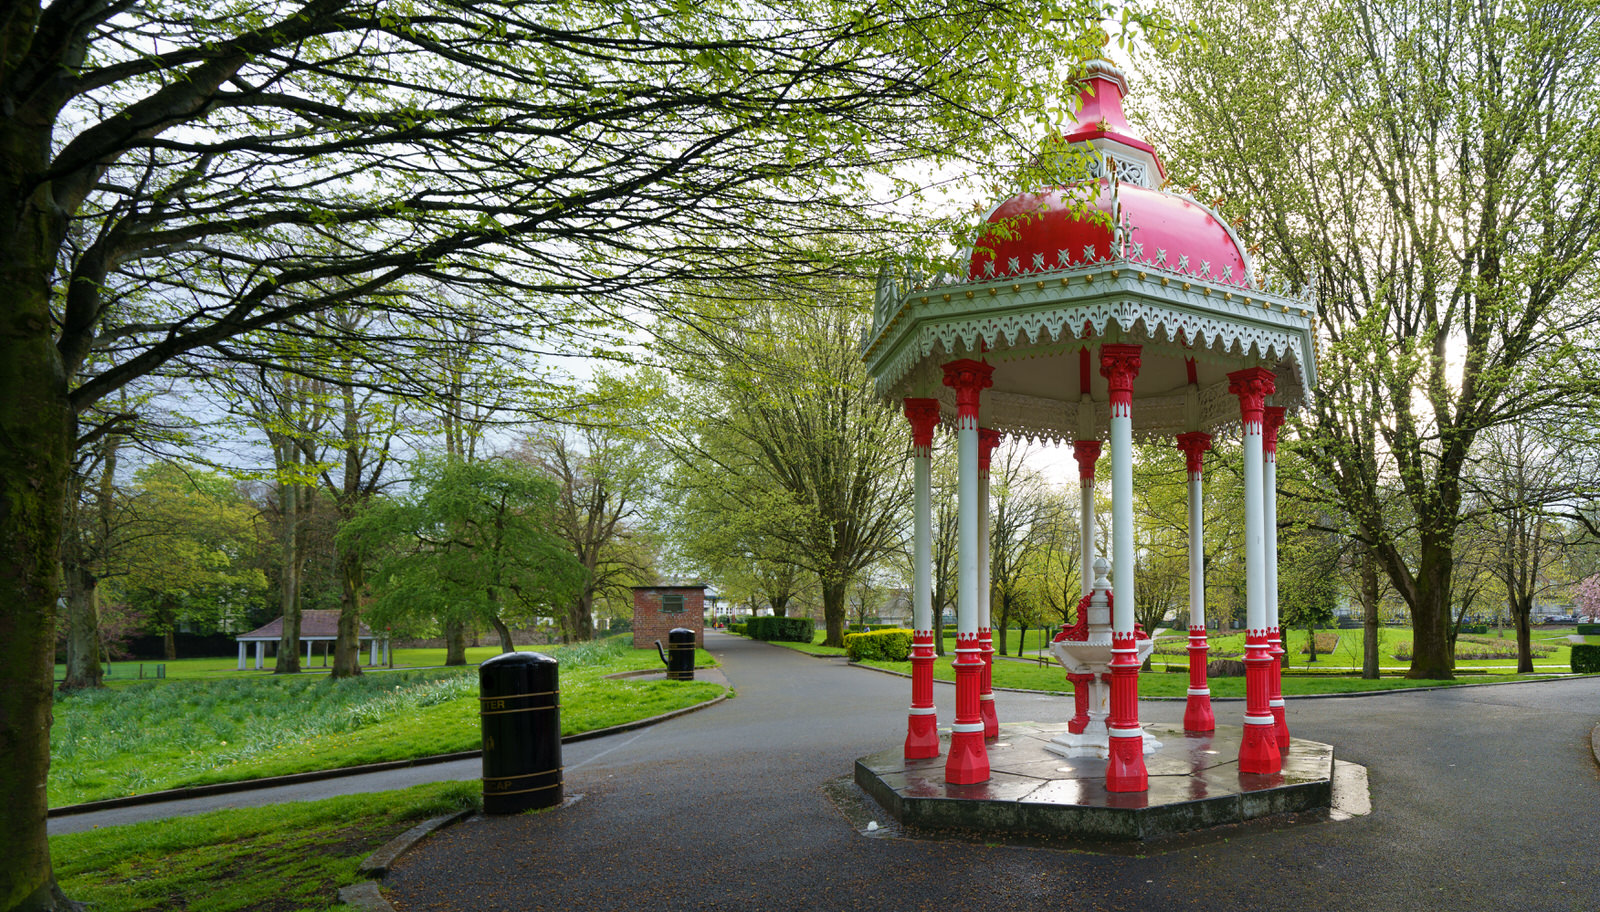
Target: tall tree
x=1435, y=167
x=1019, y=520
x=786, y=439
x=477, y=542
x=175, y=174
x=605, y=465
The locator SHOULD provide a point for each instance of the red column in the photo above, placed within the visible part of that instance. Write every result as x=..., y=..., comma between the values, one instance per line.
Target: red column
x=1197, y=714
x=968, y=761
x=922, y=722
x=1258, y=753
x=1125, y=769
x=1271, y=421
x=988, y=439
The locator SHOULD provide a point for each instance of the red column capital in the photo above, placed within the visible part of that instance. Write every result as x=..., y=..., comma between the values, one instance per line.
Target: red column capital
x=988, y=439
x=1086, y=452
x=968, y=377
x=1194, y=445
x=1252, y=385
x=924, y=417
x=1119, y=364
x=1271, y=420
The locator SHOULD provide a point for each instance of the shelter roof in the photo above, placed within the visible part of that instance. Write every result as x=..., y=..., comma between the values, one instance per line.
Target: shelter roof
x=314, y=624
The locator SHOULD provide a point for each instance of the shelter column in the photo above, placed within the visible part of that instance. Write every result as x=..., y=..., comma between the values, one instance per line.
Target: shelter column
x=1259, y=751
x=1271, y=420
x=968, y=762
x=1197, y=715
x=988, y=439
x=372, y=652
x=260, y=647
x=1086, y=452
x=1125, y=769
x=308, y=653
x=241, y=655
x=922, y=726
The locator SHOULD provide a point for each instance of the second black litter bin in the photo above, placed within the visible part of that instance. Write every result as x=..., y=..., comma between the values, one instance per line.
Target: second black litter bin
x=679, y=655
x=520, y=703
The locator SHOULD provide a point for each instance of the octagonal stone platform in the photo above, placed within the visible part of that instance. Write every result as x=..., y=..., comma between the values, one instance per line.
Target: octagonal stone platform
x=1195, y=783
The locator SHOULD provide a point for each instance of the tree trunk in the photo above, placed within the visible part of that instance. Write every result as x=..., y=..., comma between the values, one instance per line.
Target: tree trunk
x=169, y=645
x=1369, y=615
x=36, y=434
x=287, y=660
x=347, y=645
x=455, y=642
x=505, y=635
x=1523, y=609
x=1311, y=644
x=83, y=618
x=1431, y=656
x=833, y=612
x=780, y=605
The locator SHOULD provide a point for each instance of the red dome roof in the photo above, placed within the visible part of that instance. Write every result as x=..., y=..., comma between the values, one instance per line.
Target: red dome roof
x=1033, y=232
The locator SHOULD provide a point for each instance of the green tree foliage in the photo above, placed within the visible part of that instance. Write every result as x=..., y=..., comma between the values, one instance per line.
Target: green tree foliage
x=477, y=543
x=1433, y=166
x=606, y=467
x=188, y=547
x=785, y=443
x=174, y=175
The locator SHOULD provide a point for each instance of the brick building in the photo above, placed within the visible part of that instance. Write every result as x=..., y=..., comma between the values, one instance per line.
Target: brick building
x=658, y=609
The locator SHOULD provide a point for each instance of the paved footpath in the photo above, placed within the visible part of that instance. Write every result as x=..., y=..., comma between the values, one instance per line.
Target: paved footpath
x=1484, y=798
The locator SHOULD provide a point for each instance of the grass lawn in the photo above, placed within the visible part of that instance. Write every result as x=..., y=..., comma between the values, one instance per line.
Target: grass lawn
x=158, y=735
x=288, y=856
x=119, y=673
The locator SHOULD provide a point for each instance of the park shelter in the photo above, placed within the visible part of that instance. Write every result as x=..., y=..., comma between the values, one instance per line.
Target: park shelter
x=316, y=625
x=1108, y=308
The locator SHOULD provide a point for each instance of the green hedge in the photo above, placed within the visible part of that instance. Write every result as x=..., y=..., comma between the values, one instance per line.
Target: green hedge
x=1589, y=629
x=785, y=630
x=1585, y=658
x=1474, y=628
x=891, y=644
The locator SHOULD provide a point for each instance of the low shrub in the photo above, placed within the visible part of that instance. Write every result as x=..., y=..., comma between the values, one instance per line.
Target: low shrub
x=737, y=628
x=892, y=644
x=1589, y=629
x=781, y=630
x=1474, y=628
x=1225, y=668
x=1585, y=658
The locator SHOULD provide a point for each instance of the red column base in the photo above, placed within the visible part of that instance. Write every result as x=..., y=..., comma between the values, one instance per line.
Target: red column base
x=1280, y=726
x=969, y=761
x=991, y=721
x=1259, y=751
x=1080, y=702
x=1125, y=771
x=922, y=736
x=1197, y=715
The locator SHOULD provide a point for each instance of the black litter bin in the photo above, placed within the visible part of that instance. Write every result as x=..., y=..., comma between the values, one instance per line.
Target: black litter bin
x=520, y=704
x=679, y=655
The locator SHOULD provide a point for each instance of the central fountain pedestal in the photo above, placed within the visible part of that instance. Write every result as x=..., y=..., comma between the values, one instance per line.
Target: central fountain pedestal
x=1084, y=650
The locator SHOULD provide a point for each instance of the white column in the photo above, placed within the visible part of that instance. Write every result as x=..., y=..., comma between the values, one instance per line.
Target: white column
x=372, y=653
x=260, y=648
x=983, y=551
x=922, y=543
x=1197, y=557
x=241, y=655
x=1086, y=533
x=967, y=528
x=308, y=653
x=1121, y=523
x=1269, y=541
x=1254, y=537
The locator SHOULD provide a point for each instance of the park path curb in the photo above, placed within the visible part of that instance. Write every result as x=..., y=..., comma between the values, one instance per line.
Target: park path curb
x=247, y=785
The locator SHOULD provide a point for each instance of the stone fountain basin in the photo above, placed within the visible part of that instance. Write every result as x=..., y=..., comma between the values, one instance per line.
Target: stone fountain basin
x=1087, y=657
